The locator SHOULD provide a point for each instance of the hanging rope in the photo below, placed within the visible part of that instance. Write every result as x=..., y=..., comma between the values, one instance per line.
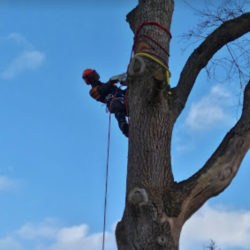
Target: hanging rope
x=107, y=174
x=106, y=185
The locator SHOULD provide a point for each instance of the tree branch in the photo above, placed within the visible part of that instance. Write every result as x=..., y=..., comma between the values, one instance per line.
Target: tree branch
x=227, y=32
x=223, y=165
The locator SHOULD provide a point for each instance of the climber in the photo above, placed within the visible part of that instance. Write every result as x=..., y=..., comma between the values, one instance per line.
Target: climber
x=109, y=94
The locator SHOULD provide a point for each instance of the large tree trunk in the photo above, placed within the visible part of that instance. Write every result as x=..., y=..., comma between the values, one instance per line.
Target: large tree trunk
x=157, y=206
x=150, y=183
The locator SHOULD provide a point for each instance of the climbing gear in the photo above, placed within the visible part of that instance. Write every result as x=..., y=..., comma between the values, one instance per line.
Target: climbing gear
x=150, y=54
x=108, y=98
x=153, y=23
x=151, y=38
x=168, y=74
x=87, y=74
x=106, y=185
x=122, y=78
x=112, y=103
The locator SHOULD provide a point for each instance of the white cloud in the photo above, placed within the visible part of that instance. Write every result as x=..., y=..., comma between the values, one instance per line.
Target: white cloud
x=28, y=60
x=210, y=110
x=220, y=91
x=6, y=183
x=229, y=229
x=51, y=235
x=26, y=57
x=76, y=238
x=19, y=39
x=47, y=229
x=9, y=243
x=72, y=234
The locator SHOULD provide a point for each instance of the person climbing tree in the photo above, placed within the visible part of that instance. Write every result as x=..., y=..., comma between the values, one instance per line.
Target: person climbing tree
x=109, y=94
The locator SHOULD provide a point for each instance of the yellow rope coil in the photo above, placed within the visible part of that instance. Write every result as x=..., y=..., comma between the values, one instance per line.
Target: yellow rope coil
x=168, y=74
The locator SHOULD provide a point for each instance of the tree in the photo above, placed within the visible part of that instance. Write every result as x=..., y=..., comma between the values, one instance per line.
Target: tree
x=211, y=246
x=157, y=206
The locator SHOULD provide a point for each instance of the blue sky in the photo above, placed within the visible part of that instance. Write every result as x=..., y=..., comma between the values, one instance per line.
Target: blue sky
x=54, y=136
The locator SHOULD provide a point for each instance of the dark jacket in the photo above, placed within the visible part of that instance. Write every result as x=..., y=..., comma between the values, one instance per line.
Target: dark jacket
x=104, y=92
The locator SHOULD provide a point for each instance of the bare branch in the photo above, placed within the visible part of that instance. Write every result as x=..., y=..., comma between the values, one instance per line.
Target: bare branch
x=214, y=14
x=227, y=32
x=235, y=63
x=223, y=165
x=233, y=66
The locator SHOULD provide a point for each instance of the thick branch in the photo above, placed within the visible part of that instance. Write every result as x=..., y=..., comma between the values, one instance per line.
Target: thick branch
x=223, y=165
x=224, y=34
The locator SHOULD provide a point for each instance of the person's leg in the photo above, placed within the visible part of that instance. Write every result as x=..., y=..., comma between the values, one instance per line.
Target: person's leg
x=119, y=109
x=122, y=122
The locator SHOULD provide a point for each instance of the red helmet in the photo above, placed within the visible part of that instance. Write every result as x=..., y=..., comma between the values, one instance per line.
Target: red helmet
x=87, y=74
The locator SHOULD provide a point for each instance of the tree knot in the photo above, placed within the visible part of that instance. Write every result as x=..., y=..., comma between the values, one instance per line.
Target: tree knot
x=138, y=196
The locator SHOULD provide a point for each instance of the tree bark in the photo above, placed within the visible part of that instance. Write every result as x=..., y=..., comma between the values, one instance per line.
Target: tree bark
x=156, y=206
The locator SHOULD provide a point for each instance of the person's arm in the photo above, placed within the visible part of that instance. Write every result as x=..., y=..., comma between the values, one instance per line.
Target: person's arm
x=111, y=82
